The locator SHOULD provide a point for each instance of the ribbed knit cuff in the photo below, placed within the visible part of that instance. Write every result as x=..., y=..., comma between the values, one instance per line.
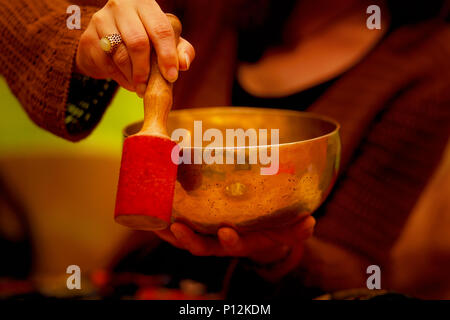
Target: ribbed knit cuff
x=86, y=102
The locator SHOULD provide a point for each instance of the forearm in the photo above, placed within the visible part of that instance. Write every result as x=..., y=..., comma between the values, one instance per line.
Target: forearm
x=421, y=256
x=37, y=51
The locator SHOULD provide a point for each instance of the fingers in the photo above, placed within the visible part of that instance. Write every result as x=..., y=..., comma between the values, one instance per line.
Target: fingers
x=93, y=62
x=106, y=25
x=294, y=234
x=230, y=241
x=84, y=61
x=186, y=54
x=136, y=56
x=243, y=245
x=196, y=244
x=162, y=37
x=168, y=236
x=268, y=245
x=100, y=59
x=291, y=235
x=142, y=26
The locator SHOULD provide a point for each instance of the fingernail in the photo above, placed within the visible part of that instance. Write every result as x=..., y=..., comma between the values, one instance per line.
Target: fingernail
x=140, y=89
x=177, y=233
x=229, y=239
x=172, y=74
x=188, y=61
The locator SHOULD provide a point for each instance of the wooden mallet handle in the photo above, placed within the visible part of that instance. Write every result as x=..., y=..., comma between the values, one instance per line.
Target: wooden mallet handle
x=158, y=96
x=148, y=173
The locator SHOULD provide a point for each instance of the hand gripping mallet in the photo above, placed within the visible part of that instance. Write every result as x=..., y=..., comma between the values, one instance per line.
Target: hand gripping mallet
x=148, y=172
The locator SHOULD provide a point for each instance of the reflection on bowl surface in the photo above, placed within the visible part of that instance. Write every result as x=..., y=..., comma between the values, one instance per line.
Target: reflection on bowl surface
x=208, y=196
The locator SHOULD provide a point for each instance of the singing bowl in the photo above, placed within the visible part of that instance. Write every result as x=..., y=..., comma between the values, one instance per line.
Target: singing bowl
x=209, y=196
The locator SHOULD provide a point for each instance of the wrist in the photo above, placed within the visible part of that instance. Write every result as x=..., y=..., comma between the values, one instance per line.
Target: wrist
x=276, y=269
x=265, y=260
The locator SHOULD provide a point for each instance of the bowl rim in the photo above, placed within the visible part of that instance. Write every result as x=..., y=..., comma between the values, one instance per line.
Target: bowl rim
x=247, y=109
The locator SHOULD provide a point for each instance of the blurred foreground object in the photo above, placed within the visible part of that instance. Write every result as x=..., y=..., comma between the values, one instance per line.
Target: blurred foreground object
x=421, y=257
x=67, y=226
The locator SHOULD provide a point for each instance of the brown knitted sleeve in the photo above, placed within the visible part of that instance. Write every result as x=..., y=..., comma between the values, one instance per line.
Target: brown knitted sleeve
x=36, y=57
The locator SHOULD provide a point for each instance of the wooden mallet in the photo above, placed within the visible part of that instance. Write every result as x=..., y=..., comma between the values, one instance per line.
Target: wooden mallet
x=148, y=172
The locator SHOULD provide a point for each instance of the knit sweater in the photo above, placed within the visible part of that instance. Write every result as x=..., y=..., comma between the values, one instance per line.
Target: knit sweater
x=37, y=51
x=37, y=55
x=393, y=106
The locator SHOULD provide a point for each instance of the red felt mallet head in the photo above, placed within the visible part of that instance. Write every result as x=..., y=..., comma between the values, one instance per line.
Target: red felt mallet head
x=148, y=170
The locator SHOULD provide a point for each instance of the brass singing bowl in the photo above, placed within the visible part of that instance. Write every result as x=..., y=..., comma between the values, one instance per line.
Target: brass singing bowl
x=209, y=196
